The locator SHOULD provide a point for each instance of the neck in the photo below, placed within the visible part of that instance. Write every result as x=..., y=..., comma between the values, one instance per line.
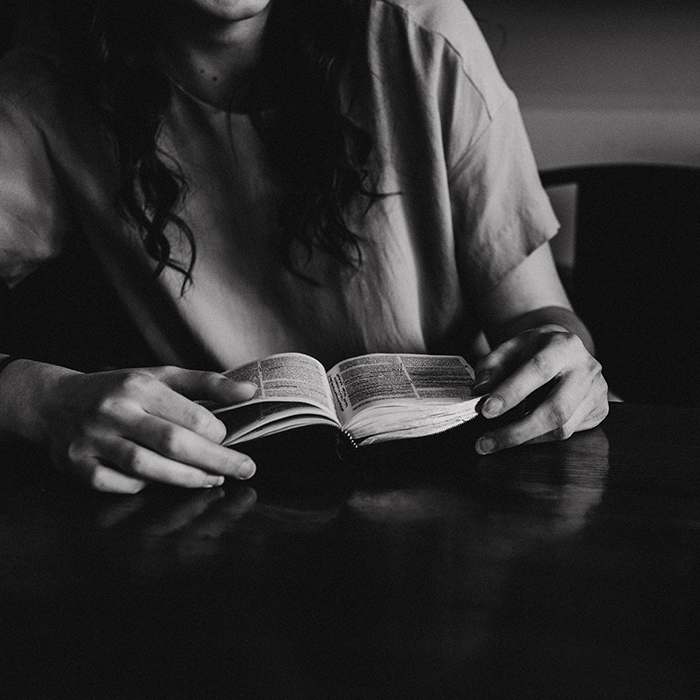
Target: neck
x=214, y=59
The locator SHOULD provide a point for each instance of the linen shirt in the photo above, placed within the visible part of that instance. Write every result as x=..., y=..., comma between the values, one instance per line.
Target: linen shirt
x=464, y=204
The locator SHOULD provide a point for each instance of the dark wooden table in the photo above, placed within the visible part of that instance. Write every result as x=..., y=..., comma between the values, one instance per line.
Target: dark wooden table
x=414, y=570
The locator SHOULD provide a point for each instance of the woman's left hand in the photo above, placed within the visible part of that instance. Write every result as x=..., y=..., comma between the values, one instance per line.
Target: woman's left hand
x=576, y=397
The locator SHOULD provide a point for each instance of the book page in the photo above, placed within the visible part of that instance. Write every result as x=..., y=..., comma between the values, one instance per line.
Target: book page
x=365, y=380
x=287, y=377
x=268, y=417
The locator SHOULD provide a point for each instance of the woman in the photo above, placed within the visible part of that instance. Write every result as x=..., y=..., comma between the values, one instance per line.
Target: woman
x=255, y=176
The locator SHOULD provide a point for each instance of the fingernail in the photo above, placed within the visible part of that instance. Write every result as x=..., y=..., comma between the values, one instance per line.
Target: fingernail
x=246, y=469
x=213, y=481
x=493, y=407
x=248, y=387
x=485, y=446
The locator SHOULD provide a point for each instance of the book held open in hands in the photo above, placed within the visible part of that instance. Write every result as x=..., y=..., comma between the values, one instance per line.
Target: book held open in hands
x=371, y=398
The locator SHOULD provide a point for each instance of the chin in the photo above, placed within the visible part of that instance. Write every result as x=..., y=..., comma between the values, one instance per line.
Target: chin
x=230, y=10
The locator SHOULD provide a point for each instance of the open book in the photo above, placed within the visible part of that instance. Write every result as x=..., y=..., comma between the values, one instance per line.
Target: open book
x=371, y=398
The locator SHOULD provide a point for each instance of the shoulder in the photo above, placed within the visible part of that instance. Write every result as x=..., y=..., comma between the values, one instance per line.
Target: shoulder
x=447, y=31
x=438, y=15
x=449, y=21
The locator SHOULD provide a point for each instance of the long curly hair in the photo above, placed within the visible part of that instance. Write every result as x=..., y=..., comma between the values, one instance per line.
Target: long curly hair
x=111, y=50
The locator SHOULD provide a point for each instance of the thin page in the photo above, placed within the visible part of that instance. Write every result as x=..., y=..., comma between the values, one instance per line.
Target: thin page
x=391, y=422
x=399, y=379
x=287, y=377
x=268, y=417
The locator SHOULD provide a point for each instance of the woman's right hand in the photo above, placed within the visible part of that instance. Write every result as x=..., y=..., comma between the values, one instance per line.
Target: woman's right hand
x=121, y=429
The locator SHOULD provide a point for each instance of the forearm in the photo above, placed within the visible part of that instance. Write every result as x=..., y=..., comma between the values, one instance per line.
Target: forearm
x=548, y=315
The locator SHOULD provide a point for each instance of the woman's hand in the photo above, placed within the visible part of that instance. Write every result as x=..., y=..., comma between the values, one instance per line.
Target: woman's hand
x=121, y=429
x=575, y=398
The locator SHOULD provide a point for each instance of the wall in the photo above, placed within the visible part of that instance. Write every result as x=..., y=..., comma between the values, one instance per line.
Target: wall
x=601, y=81
x=7, y=18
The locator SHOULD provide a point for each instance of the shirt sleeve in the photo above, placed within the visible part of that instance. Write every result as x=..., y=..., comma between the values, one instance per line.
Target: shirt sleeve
x=500, y=210
x=455, y=135
x=33, y=213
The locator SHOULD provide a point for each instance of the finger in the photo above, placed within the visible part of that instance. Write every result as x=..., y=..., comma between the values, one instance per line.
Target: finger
x=103, y=478
x=578, y=421
x=557, y=416
x=170, y=404
x=560, y=352
x=582, y=420
x=188, y=447
x=205, y=386
x=142, y=463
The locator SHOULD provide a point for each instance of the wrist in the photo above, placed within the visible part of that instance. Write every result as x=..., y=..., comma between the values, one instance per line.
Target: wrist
x=555, y=317
x=27, y=390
